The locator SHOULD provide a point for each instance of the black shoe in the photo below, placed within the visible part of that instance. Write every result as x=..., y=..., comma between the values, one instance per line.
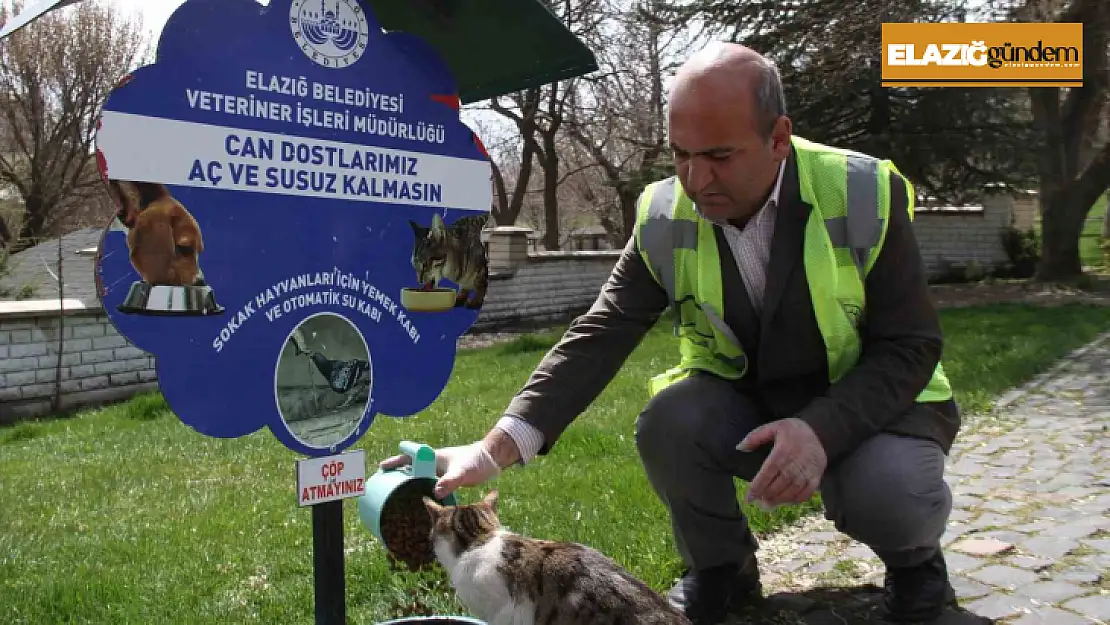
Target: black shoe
x=919, y=593
x=708, y=596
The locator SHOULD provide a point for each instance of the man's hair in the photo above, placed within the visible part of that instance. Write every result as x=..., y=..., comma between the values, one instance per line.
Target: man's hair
x=770, y=102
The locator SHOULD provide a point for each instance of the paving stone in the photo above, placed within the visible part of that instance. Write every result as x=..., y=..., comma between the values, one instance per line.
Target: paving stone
x=990, y=519
x=1102, y=544
x=789, y=566
x=1051, y=591
x=968, y=588
x=1094, y=507
x=966, y=467
x=993, y=483
x=1048, y=615
x=1039, y=475
x=1096, y=561
x=1002, y=535
x=958, y=562
x=860, y=552
x=973, y=489
x=1094, y=606
x=999, y=606
x=1076, y=492
x=966, y=501
x=983, y=547
x=822, y=566
x=958, y=515
x=1075, y=529
x=1002, y=576
x=953, y=532
x=1001, y=505
x=1049, y=546
x=1037, y=526
x=1031, y=563
x=816, y=550
x=1080, y=575
x=1063, y=480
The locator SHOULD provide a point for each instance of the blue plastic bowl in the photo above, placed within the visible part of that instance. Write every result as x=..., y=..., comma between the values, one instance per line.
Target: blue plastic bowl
x=434, y=620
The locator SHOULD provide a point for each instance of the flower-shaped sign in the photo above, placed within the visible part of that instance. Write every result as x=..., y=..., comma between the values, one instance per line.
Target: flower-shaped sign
x=300, y=210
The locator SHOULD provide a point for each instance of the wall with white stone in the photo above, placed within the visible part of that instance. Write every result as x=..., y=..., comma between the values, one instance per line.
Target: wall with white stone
x=97, y=364
x=545, y=287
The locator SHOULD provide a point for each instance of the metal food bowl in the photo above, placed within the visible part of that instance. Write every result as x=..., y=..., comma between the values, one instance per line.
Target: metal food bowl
x=146, y=299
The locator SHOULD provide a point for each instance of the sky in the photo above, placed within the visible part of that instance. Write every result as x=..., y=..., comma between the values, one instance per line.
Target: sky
x=154, y=13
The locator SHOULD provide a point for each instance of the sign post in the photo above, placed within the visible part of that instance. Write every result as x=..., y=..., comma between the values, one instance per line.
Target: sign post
x=298, y=237
x=327, y=563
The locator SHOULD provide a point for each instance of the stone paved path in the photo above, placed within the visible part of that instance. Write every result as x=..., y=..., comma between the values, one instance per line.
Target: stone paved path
x=1029, y=536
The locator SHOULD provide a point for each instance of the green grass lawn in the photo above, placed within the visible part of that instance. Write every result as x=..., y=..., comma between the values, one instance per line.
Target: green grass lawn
x=1090, y=239
x=124, y=515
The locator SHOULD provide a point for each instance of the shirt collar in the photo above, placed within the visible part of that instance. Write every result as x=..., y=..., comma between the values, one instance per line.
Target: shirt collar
x=772, y=200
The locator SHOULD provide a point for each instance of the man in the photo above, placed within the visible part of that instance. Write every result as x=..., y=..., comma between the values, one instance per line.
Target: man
x=787, y=264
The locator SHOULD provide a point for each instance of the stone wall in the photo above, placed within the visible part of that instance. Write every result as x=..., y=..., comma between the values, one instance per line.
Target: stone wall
x=955, y=236
x=530, y=287
x=97, y=364
x=526, y=287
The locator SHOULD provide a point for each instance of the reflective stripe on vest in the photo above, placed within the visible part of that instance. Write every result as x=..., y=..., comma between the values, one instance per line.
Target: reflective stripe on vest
x=660, y=234
x=659, y=237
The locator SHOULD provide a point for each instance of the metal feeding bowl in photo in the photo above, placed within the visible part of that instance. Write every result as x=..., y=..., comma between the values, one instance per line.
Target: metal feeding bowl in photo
x=146, y=299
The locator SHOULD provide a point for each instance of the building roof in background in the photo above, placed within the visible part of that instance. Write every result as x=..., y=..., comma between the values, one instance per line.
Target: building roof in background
x=36, y=268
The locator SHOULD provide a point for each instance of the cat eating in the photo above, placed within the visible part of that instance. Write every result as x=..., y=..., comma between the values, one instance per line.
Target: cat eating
x=455, y=252
x=504, y=578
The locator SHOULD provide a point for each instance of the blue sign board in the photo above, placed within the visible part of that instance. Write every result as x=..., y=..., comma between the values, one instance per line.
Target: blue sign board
x=300, y=209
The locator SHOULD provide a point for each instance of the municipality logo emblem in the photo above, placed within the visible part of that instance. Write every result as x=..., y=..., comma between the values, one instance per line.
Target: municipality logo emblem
x=333, y=33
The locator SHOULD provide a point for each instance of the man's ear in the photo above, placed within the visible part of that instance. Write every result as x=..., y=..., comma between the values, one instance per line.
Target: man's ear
x=780, y=137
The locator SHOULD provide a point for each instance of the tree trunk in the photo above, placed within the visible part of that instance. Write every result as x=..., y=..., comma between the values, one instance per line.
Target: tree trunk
x=628, y=196
x=34, y=223
x=502, y=216
x=5, y=235
x=1060, y=259
x=550, y=193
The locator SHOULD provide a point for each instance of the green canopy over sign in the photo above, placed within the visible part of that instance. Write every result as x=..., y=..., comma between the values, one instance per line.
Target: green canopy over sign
x=492, y=46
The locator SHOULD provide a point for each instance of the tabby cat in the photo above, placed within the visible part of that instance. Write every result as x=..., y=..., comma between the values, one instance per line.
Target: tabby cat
x=455, y=253
x=504, y=578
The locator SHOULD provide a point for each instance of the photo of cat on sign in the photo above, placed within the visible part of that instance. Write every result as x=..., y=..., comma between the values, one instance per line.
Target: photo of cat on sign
x=454, y=252
x=164, y=243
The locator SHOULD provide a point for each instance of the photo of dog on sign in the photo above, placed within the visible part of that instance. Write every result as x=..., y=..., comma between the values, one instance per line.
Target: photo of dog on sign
x=164, y=243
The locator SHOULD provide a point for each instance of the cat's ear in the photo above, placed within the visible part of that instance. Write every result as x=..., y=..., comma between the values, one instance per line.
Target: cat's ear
x=491, y=499
x=438, y=228
x=417, y=229
x=433, y=508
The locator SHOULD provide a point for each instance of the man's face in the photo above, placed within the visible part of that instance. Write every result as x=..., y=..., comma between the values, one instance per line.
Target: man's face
x=723, y=162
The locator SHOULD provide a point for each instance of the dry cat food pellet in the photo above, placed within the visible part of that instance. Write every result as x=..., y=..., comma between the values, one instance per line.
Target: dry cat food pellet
x=406, y=525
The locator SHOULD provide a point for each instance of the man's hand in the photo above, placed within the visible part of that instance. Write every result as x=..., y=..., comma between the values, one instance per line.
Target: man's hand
x=466, y=465
x=793, y=470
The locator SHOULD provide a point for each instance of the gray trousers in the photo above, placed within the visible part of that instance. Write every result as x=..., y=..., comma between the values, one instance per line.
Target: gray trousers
x=889, y=493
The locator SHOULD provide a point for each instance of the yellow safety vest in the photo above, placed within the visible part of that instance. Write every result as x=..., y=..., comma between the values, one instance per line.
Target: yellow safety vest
x=850, y=196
